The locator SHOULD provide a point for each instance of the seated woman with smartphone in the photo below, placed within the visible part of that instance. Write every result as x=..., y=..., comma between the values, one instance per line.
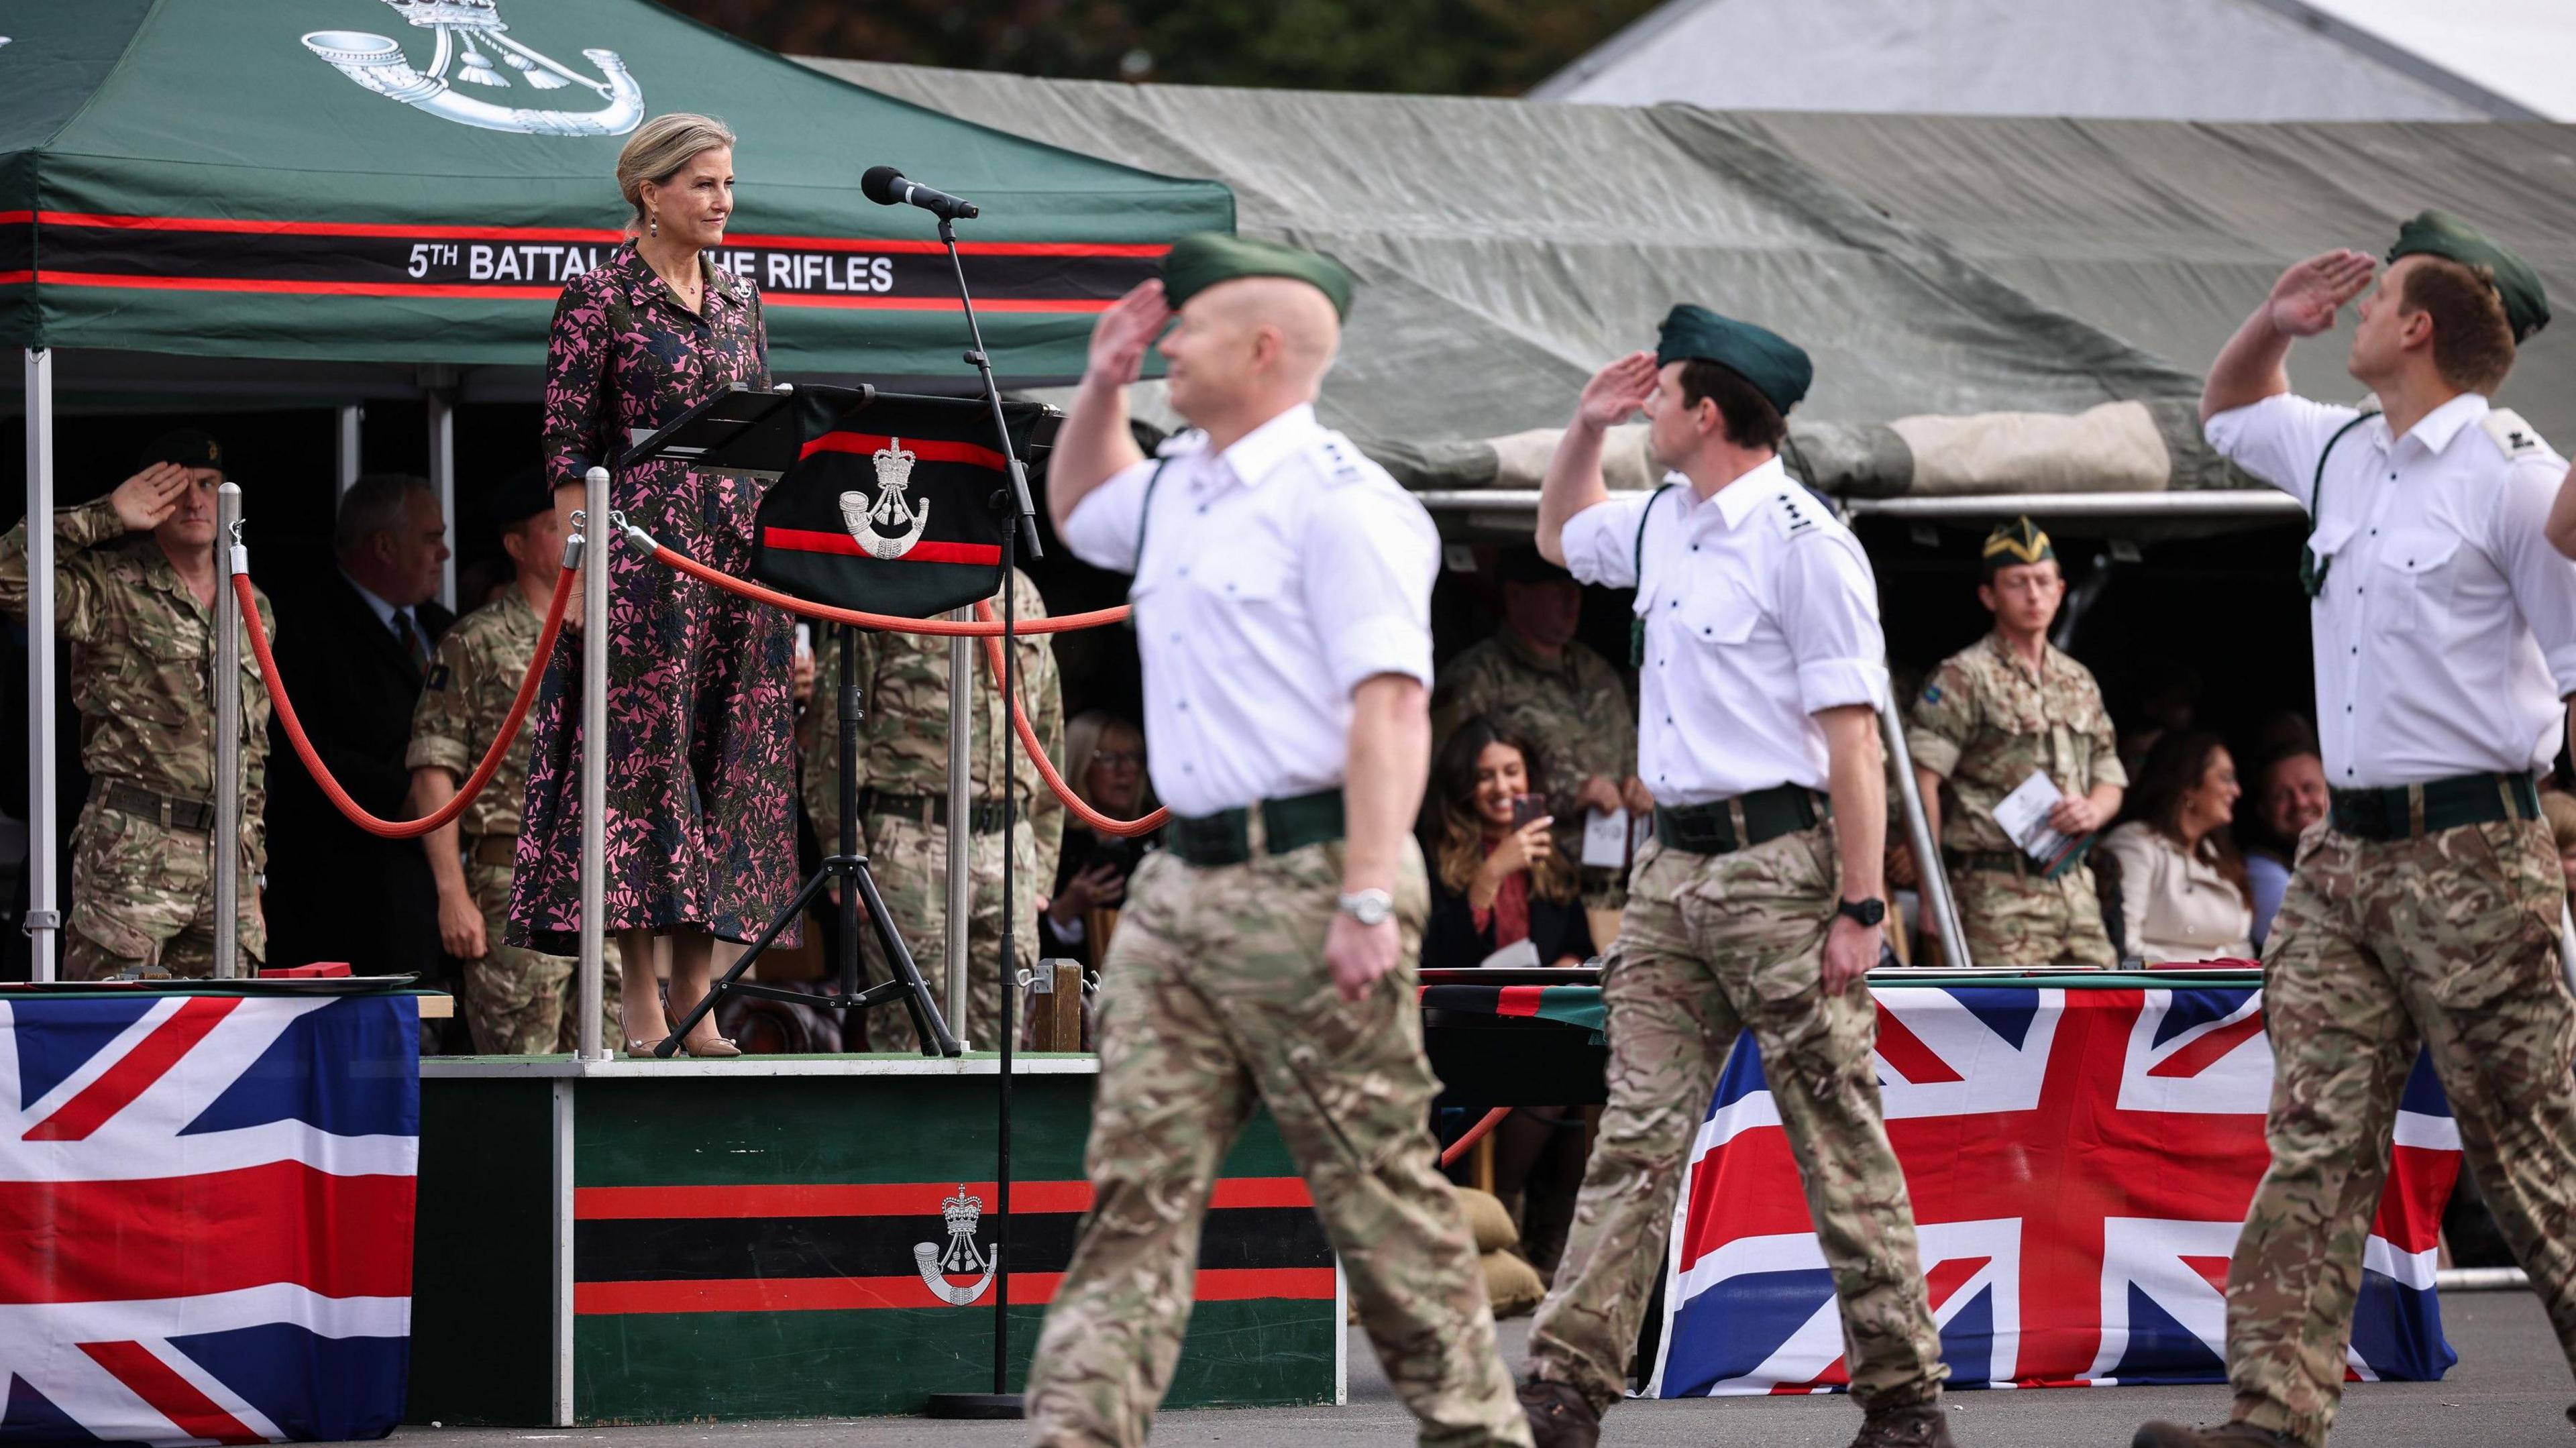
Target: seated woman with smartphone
x=1105, y=755
x=1497, y=883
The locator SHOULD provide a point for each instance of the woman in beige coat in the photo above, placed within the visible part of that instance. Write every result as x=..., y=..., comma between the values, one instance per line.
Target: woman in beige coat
x=2183, y=892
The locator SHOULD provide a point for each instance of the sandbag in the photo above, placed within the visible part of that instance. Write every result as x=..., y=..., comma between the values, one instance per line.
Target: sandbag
x=1487, y=1220
x=1511, y=1285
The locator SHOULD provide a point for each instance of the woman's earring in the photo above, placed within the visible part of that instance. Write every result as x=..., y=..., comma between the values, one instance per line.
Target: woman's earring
x=653, y=224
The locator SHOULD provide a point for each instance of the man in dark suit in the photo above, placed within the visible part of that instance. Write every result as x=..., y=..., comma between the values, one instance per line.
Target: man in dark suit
x=353, y=650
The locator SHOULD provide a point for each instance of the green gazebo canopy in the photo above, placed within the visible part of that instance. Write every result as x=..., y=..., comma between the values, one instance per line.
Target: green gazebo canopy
x=413, y=180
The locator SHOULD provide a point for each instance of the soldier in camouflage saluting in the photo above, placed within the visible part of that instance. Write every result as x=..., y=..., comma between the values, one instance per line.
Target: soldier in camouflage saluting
x=1266, y=954
x=903, y=807
x=2422, y=916
x=134, y=591
x=518, y=1002
x=1990, y=717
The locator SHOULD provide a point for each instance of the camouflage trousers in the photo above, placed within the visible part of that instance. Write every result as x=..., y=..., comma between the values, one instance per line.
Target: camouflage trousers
x=143, y=895
x=1215, y=1000
x=520, y=1002
x=910, y=862
x=2031, y=922
x=2448, y=942
x=1712, y=946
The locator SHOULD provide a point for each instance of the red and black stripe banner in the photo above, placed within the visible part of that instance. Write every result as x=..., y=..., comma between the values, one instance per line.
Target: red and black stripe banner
x=532, y=263
x=843, y=1247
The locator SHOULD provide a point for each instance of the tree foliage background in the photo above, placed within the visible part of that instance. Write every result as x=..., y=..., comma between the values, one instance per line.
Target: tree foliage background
x=1454, y=47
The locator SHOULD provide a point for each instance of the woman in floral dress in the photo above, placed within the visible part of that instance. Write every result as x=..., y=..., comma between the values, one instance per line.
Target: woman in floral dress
x=701, y=841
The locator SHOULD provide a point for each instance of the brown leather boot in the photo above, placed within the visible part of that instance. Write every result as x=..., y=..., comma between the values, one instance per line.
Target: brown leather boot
x=1911, y=1425
x=2229, y=1435
x=1560, y=1416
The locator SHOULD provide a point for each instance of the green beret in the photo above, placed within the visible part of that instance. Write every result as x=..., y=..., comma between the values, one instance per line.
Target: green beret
x=2439, y=233
x=1203, y=259
x=2012, y=545
x=189, y=447
x=1772, y=363
x=521, y=496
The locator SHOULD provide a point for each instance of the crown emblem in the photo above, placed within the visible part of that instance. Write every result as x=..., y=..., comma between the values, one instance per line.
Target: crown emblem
x=465, y=31
x=960, y=1213
x=889, y=526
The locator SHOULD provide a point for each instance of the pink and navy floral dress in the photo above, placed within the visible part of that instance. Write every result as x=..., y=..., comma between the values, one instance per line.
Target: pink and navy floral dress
x=701, y=751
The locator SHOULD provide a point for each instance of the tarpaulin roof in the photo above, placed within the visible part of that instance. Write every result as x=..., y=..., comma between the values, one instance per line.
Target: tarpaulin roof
x=1505, y=249
x=2167, y=234
x=1934, y=265
x=413, y=180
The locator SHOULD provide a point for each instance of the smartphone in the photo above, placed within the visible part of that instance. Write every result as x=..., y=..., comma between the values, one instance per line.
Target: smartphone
x=1525, y=808
x=804, y=641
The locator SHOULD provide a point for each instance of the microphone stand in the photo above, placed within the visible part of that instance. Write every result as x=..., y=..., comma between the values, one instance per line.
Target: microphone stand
x=1001, y=1402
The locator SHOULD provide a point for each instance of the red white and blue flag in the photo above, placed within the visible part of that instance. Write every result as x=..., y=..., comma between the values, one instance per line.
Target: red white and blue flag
x=2080, y=1163
x=205, y=1217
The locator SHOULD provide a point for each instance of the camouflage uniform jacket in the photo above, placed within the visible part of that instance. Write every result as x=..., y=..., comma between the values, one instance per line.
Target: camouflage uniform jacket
x=142, y=663
x=1985, y=723
x=903, y=744
x=1575, y=709
x=480, y=662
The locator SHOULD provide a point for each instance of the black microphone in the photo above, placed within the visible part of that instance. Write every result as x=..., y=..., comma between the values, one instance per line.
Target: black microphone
x=886, y=186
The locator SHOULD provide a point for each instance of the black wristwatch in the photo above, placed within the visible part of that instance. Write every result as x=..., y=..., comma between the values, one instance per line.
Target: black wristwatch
x=1866, y=912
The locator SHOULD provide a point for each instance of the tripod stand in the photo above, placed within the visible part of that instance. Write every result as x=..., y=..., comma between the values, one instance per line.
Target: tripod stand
x=850, y=868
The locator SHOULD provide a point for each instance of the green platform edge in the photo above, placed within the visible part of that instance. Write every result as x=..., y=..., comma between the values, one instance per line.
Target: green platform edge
x=481, y=1346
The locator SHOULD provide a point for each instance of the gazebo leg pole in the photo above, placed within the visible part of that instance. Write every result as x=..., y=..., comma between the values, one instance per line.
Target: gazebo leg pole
x=442, y=476
x=44, y=921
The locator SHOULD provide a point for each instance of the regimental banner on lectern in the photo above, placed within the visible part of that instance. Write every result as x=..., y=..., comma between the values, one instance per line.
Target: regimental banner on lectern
x=207, y=1206
x=2080, y=1161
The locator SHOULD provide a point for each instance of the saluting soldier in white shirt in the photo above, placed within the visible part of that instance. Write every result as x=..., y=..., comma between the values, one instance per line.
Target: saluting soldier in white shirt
x=1266, y=956
x=2424, y=910
x=1758, y=904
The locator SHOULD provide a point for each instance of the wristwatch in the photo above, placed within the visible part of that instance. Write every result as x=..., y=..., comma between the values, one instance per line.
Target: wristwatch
x=1866, y=912
x=1368, y=907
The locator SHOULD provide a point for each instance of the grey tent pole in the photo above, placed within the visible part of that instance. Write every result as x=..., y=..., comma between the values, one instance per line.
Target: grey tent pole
x=961, y=833
x=593, y=542
x=1932, y=880
x=44, y=923
x=352, y=416
x=225, y=839
x=442, y=476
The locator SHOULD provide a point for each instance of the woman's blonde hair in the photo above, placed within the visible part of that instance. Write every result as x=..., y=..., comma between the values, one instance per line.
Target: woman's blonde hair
x=660, y=147
x=1083, y=737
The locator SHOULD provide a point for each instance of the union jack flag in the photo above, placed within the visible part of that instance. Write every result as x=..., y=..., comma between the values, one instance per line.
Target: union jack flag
x=206, y=1206
x=2080, y=1163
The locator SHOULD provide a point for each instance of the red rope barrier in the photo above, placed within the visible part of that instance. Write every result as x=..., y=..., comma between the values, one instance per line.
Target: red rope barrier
x=1124, y=829
x=483, y=772
x=886, y=623
x=1476, y=1133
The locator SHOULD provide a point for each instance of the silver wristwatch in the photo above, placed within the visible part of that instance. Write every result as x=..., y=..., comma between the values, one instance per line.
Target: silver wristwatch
x=1368, y=907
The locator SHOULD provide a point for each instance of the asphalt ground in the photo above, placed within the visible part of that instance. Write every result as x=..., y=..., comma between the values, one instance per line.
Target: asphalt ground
x=2510, y=1390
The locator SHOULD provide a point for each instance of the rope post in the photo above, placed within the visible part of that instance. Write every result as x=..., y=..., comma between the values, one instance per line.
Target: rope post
x=43, y=922
x=1932, y=879
x=593, y=562
x=961, y=838
x=225, y=840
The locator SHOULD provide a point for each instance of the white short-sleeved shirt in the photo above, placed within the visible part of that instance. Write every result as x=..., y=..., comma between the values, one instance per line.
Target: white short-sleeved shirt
x=1276, y=577
x=2445, y=636
x=1760, y=610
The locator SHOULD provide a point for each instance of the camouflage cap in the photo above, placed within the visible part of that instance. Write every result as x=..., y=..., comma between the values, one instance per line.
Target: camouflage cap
x=1777, y=367
x=2439, y=233
x=189, y=447
x=2013, y=544
x=1201, y=260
